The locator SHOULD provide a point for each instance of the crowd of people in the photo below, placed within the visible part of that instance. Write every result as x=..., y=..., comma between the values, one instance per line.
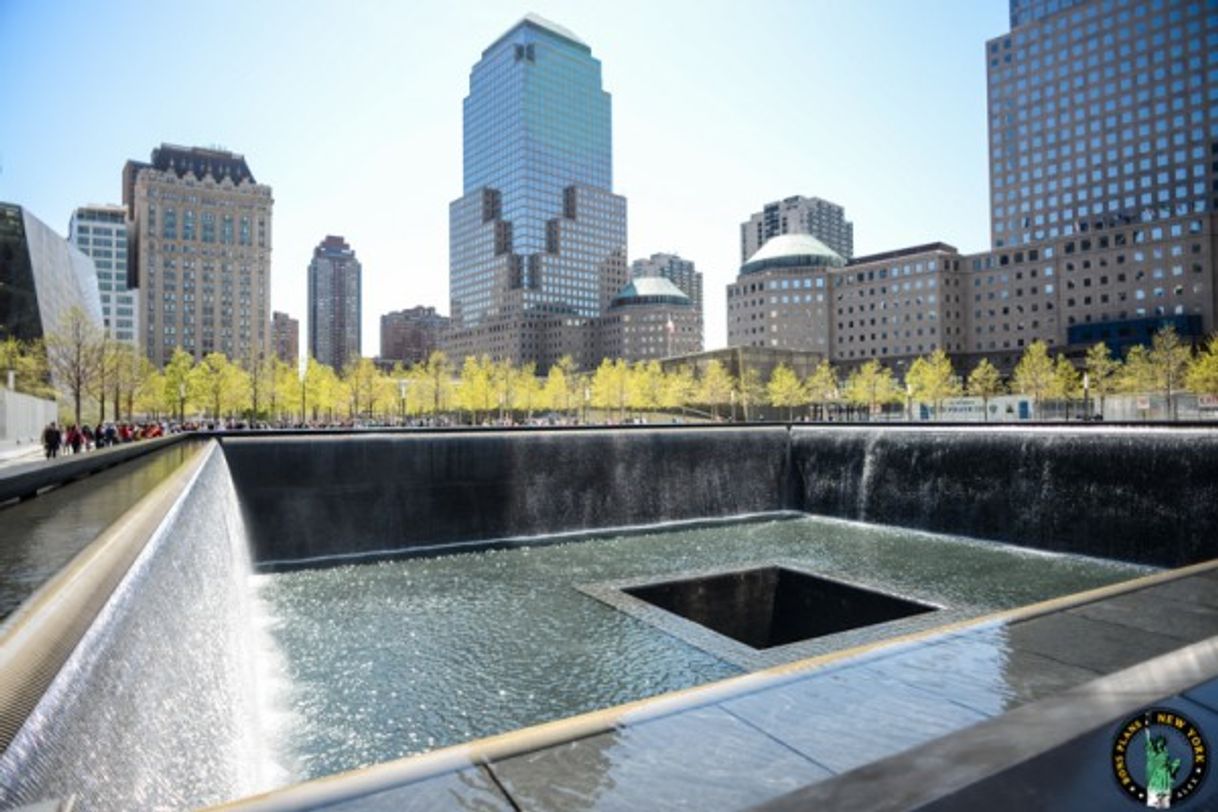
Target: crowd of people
x=73, y=439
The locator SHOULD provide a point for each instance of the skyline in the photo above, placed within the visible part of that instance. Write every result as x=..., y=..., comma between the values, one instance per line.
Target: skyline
x=727, y=131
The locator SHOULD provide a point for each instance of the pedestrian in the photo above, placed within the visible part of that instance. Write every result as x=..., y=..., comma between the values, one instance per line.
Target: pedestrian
x=75, y=438
x=51, y=440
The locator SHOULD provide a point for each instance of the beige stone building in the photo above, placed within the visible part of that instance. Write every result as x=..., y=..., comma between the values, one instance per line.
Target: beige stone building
x=783, y=297
x=1118, y=284
x=651, y=318
x=199, y=227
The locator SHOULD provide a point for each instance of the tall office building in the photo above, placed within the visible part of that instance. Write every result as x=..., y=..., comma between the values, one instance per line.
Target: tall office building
x=334, y=303
x=285, y=334
x=100, y=232
x=1027, y=11
x=798, y=215
x=1101, y=113
x=199, y=251
x=537, y=242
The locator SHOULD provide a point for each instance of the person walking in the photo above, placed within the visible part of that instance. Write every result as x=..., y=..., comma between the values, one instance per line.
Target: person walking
x=75, y=438
x=51, y=440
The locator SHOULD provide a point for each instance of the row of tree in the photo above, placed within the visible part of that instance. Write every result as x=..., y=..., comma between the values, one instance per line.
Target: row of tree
x=95, y=372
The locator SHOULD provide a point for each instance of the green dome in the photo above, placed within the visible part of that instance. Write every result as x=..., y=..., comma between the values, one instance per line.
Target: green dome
x=650, y=290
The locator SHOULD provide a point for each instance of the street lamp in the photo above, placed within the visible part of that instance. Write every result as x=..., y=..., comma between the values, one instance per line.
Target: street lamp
x=181, y=402
x=587, y=401
x=402, y=399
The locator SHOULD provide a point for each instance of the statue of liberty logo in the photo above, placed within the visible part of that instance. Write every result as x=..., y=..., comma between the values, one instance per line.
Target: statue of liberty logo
x=1161, y=770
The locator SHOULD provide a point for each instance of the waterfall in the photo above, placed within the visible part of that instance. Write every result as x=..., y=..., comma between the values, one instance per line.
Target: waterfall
x=161, y=705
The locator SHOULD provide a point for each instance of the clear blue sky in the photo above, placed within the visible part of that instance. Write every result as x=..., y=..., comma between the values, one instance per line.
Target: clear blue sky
x=352, y=112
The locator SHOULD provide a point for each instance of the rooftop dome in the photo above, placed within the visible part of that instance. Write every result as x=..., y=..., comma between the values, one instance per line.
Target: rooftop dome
x=792, y=250
x=650, y=290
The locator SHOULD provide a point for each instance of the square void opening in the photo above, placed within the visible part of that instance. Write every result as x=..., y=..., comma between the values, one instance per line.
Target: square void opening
x=773, y=606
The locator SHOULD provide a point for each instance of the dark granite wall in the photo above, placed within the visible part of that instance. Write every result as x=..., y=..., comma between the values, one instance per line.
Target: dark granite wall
x=321, y=496
x=1149, y=496
x=1145, y=495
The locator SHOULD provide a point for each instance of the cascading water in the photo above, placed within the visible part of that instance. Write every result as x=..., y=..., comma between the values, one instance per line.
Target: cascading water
x=161, y=705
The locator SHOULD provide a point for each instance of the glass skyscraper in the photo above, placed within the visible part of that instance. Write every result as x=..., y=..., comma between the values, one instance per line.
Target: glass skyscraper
x=1101, y=113
x=538, y=239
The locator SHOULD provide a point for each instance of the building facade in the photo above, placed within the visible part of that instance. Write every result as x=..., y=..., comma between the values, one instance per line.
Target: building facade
x=1103, y=155
x=650, y=319
x=783, y=297
x=1102, y=113
x=199, y=237
x=100, y=232
x=285, y=334
x=681, y=272
x=42, y=278
x=1117, y=285
x=335, y=279
x=411, y=335
x=537, y=242
x=798, y=215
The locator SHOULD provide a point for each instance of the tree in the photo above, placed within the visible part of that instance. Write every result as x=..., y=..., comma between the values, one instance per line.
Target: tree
x=28, y=362
x=556, y=392
x=1138, y=375
x=571, y=379
x=611, y=386
x=749, y=390
x=385, y=392
x=646, y=386
x=149, y=397
x=103, y=373
x=506, y=378
x=176, y=382
x=1102, y=371
x=985, y=382
x=131, y=370
x=1034, y=373
x=785, y=389
x=716, y=387
x=822, y=385
x=73, y=355
x=220, y=383
x=931, y=379
x=260, y=372
x=283, y=388
x=528, y=389
x=437, y=374
x=360, y=377
x=318, y=389
x=476, y=389
x=1066, y=385
x=680, y=388
x=872, y=385
x=1170, y=357
x=1202, y=375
